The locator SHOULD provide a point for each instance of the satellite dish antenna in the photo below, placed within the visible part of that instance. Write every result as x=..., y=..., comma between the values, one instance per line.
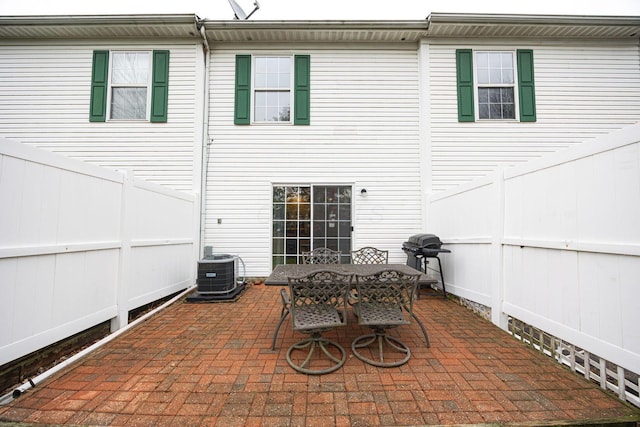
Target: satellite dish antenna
x=239, y=13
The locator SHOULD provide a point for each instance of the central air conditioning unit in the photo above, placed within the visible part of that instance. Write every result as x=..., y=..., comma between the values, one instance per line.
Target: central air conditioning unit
x=219, y=278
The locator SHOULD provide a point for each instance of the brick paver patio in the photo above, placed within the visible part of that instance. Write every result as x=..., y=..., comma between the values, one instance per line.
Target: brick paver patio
x=211, y=365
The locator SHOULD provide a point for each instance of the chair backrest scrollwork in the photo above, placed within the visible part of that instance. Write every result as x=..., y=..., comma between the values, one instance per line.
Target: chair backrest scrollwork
x=317, y=294
x=321, y=256
x=369, y=255
x=388, y=288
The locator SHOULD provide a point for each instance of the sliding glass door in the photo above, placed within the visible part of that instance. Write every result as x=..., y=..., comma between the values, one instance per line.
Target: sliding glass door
x=308, y=217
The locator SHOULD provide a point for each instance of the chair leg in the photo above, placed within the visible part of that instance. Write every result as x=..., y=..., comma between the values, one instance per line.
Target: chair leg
x=316, y=342
x=424, y=331
x=275, y=334
x=381, y=338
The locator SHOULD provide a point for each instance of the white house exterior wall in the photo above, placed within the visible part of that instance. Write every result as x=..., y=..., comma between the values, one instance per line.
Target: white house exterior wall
x=583, y=90
x=46, y=86
x=364, y=132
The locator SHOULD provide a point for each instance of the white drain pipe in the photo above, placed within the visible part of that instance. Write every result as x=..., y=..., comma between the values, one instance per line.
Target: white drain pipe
x=32, y=382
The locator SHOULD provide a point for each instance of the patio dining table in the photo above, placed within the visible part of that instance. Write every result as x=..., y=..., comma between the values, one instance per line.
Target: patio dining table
x=280, y=273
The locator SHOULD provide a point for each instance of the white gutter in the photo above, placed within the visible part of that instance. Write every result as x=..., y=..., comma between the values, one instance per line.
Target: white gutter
x=206, y=143
x=33, y=382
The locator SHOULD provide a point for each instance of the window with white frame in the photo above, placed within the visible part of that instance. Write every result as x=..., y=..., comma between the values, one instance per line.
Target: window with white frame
x=129, y=85
x=272, y=89
x=496, y=84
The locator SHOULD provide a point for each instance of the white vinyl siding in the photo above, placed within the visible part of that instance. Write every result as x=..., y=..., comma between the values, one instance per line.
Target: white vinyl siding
x=364, y=132
x=46, y=89
x=583, y=89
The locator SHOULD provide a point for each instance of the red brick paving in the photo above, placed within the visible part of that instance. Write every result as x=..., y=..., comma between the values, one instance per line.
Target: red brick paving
x=211, y=365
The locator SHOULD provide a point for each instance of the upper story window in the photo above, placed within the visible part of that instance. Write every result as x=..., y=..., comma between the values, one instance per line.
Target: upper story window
x=495, y=85
x=272, y=89
x=129, y=86
x=129, y=94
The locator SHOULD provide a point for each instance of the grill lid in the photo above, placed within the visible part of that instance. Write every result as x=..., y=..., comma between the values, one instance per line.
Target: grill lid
x=424, y=241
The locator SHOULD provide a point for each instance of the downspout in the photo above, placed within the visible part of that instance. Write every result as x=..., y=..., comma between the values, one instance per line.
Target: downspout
x=206, y=143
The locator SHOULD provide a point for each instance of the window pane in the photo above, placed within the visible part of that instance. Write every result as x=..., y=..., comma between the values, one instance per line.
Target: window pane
x=129, y=103
x=292, y=211
x=292, y=229
x=261, y=65
x=507, y=60
x=345, y=245
x=345, y=212
x=495, y=76
x=278, y=228
x=278, y=246
x=345, y=228
x=285, y=114
x=305, y=211
x=507, y=76
x=483, y=75
x=319, y=228
x=483, y=111
x=483, y=95
x=272, y=99
x=494, y=96
x=305, y=245
x=495, y=60
x=305, y=194
x=278, y=194
x=261, y=81
x=305, y=229
x=272, y=114
x=332, y=244
x=284, y=81
x=292, y=246
x=508, y=111
x=495, y=111
x=482, y=59
x=319, y=211
x=272, y=65
x=273, y=81
x=507, y=95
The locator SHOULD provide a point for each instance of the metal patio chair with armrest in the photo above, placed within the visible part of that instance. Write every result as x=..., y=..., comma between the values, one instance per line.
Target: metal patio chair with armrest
x=321, y=256
x=383, y=299
x=369, y=255
x=316, y=256
x=318, y=304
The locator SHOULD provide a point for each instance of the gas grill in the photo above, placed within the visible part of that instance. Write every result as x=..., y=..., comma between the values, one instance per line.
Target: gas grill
x=419, y=248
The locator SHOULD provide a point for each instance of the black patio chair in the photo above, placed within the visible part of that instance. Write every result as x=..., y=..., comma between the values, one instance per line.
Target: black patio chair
x=383, y=299
x=316, y=256
x=318, y=304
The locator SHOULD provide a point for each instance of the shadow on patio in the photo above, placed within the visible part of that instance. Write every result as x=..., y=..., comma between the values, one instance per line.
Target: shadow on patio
x=211, y=364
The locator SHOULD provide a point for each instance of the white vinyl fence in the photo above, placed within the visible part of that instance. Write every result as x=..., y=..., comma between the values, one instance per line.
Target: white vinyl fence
x=81, y=245
x=554, y=245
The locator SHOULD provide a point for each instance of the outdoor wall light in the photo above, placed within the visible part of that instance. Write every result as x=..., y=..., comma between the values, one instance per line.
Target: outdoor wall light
x=363, y=192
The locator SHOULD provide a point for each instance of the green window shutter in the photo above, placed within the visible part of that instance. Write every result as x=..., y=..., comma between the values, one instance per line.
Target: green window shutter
x=160, y=86
x=301, y=94
x=526, y=86
x=464, y=73
x=99, y=82
x=242, y=112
